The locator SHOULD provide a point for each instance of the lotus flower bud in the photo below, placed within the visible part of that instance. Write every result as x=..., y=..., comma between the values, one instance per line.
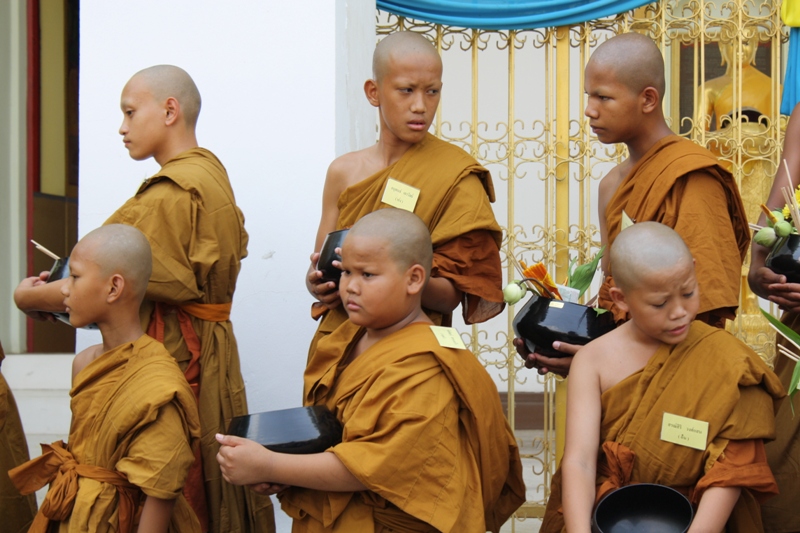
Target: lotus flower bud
x=765, y=237
x=513, y=292
x=778, y=214
x=783, y=228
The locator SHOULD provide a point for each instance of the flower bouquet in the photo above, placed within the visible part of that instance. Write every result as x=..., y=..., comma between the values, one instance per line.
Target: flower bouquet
x=550, y=314
x=782, y=236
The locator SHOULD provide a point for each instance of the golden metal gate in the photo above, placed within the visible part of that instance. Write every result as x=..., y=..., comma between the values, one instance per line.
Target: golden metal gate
x=514, y=100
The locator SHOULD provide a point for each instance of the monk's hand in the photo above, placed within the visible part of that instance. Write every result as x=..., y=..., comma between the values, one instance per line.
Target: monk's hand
x=23, y=290
x=324, y=291
x=786, y=295
x=763, y=279
x=557, y=365
x=243, y=461
x=267, y=489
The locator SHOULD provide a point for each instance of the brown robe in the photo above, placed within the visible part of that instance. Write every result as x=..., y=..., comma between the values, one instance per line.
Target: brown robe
x=188, y=213
x=781, y=514
x=16, y=510
x=682, y=185
x=424, y=431
x=710, y=376
x=134, y=424
x=454, y=202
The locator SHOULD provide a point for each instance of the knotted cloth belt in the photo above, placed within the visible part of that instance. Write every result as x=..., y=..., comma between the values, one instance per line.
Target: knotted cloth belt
x=194, y=489
x=58, y=467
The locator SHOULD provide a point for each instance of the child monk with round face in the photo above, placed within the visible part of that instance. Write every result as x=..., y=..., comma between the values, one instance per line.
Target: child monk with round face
x=625, y=388
x=425, y=444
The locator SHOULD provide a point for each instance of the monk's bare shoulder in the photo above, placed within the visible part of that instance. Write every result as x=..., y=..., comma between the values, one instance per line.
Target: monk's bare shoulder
x=610, y=182
x=351, y=168
x=84, y=358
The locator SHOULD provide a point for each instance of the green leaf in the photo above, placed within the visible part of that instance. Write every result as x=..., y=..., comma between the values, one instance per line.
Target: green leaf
x=581, y=277
x=600, y=310
x=792, y=335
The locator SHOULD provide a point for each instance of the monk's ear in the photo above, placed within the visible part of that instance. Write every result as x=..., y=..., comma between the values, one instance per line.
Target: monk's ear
x=371, y=90
x=650, y=99
x=172, y=108
x=116, y=287
x=416, y=278
x=618, y=297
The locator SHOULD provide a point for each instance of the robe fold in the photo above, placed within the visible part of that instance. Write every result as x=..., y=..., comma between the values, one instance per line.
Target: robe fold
x=16, y=511
x=682, y=185
x=455, y=203
x=134, y=425
x=780, y=514
x=424, y=430
x=188, y=213
x=713, y=377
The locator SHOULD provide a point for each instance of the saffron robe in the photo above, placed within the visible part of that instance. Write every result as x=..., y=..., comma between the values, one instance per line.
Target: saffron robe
x=454, y=202
x=188, y=213
x=713, y=377
x=780, y=514
x=16, y=510
x=682, y=185
x=424, y=430
x=134, y=414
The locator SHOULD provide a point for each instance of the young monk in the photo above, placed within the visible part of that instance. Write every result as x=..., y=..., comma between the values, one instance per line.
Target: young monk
x=134, y=417
x=454, y=191
x=783, y=454
x=665, y=178
x=16, y=510
x=425, y=445
x=624, y=387
x=188, y=212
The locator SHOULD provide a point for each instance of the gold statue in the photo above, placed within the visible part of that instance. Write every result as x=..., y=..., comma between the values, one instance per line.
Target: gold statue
x=716, y=112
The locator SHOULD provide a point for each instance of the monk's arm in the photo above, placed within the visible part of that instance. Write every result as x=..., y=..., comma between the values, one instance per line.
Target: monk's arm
x=156, y=514
x=326, y=292
x=763, y=281
x=441, y=295
x=579, y=465
x=245, y=462
x=31, y=295
x=714, y=509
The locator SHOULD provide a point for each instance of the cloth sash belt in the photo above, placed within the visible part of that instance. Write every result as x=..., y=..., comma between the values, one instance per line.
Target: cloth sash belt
x=391, y=518
x=194, y=489
x=58, y=467
x=617, y=467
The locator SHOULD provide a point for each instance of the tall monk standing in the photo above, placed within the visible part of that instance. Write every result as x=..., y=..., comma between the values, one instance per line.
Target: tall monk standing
x=16, y=510
x=188, y=212
x=665, y=178
x=450, y=191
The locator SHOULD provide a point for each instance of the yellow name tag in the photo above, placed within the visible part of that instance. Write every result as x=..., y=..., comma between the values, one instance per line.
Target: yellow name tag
x=448, y=337
x=557, y=304
x=684, y=431
x=398, y=194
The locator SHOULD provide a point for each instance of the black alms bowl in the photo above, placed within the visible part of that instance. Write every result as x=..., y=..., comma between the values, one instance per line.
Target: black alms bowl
x=784, y=258
x=59, y=271
x=643, y=507
x=543, y=321
x=327, y=255
x=300, y=430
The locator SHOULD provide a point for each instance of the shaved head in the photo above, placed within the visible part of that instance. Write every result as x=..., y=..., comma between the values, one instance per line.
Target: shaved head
x=123, y=250
x=397, y=45
x=644, y=249
x=635, y=61
x=408, y=237
x=165, y=81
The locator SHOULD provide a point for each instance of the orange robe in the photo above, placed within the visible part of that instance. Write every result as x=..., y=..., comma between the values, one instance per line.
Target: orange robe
x=188, y=213
x=780, y=514
x=423, y=430
x=713, y=377
x=134, y=424
x=681, y=185
x=454, y=202
x=16, y=510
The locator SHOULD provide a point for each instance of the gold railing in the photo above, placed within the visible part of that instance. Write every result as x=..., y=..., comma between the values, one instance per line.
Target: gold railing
x=514, y=100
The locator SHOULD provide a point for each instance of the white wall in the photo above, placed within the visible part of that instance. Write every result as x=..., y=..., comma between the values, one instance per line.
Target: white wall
x=267, y=75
